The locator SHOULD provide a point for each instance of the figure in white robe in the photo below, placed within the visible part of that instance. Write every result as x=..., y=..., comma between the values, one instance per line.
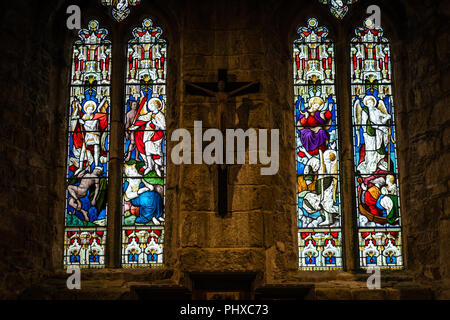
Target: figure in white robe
x=374, y=118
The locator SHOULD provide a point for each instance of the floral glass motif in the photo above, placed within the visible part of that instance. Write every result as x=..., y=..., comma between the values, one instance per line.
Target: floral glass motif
x=338, y=8
x=88, y=149
x=120, y=8
x=145, y=149
x=318, y=205
x=377, y=191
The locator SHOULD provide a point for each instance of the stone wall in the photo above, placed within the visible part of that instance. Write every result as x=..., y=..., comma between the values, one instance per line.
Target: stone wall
x=252, y=40
x=426, y=122
x=28, y=122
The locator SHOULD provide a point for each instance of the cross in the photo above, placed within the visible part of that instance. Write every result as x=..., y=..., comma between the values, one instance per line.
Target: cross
x=222, y=91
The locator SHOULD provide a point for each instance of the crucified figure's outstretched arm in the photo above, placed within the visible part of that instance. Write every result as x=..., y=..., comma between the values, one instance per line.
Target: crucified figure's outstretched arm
x=235, y=92
x=207, y=91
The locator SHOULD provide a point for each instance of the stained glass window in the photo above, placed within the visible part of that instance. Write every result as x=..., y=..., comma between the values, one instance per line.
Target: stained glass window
x=145, y=149
x=318, y=205
x=88, y=149
x=338, y=8
x=120, y=8
x=377, y=192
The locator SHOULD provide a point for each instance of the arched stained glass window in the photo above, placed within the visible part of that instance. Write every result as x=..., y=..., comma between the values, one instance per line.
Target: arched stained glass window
x=377, y=192
x=145, y=145
x=88, y=149
x=318, y=205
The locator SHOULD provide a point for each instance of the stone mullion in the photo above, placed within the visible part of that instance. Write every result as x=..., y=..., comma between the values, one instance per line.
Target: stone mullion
x=113, y=245
x=349, y=227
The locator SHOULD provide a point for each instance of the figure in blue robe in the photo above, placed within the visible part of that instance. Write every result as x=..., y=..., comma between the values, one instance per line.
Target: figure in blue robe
x=150, y=206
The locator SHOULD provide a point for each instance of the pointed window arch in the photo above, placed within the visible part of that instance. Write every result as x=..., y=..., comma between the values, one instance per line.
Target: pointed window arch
x=318, y=196
x=88, y=149
x=145, y=149
x=375, y=150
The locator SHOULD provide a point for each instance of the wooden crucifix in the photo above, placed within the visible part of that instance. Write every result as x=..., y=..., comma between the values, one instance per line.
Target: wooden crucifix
x=222, y=91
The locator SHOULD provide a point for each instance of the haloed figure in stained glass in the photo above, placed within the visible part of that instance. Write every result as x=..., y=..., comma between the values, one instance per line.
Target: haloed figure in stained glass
x=317, y=161
x=147, y=131
x=144, y=154
x=374, y=127
x=145, y=123
x=373, y=118
x=90, y=117
x=321, y=162
x=89, y=128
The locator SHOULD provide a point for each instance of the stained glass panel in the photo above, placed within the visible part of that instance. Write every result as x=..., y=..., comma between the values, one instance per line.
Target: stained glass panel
x=120, y=8
x=145, y=149
x=320, y=250
x=318, y=200
x=338, y=8
x=375, y=148
x=88, y=149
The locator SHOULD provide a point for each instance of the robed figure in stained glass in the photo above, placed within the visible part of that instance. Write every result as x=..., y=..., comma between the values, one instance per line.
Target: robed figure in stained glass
x=147, y=132
x=373, y=118
x=89, y=121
